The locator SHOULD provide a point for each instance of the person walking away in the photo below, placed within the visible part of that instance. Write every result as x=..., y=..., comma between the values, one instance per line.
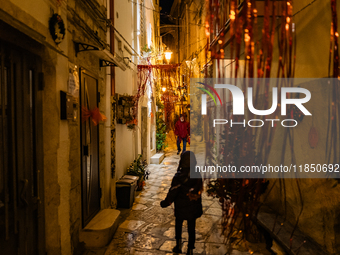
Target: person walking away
x=186, y=193
x=182, y=131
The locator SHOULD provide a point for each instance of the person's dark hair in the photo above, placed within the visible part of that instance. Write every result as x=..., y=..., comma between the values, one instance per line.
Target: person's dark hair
x=187, y=161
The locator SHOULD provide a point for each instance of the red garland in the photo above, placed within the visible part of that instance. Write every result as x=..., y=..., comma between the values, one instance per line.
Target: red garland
x=148, y=72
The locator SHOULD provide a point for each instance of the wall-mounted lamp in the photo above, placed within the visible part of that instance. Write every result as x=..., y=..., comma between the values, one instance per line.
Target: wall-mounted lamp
x=164, y=89
x=167, y=54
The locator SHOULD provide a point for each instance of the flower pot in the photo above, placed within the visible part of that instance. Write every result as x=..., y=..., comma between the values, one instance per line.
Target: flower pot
x=146, y=54
x=198, y=138
x=140, y=184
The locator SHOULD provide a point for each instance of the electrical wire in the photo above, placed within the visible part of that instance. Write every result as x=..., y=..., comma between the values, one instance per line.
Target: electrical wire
x=111, y=25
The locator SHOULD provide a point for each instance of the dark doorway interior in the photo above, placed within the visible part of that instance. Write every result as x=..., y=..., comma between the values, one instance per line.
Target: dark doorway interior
x=21, y=165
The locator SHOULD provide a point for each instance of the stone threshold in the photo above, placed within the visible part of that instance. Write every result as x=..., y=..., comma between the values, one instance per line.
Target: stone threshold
x=281, y=231
x=100, y=230
x=157, y=158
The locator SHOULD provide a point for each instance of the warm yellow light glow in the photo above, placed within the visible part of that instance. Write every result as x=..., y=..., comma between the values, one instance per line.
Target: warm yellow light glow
x=232, y=15
x=167, y=54
x=164, y=89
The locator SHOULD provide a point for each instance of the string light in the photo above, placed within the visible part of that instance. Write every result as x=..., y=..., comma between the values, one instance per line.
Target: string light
x=232, y=15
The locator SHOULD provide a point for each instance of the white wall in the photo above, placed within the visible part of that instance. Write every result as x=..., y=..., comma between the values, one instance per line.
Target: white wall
x=128, y=143
x=125, y=141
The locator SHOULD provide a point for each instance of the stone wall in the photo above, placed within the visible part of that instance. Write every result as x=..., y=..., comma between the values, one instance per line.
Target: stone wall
x=84, y=21
x=320, y=203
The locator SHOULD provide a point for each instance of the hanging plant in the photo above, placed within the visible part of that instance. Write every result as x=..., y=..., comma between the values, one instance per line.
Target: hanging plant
x=147, y=51
x=57, y=28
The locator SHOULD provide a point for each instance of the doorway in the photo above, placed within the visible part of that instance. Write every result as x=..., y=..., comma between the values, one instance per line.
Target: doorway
x=90, y=150
x=21, y=154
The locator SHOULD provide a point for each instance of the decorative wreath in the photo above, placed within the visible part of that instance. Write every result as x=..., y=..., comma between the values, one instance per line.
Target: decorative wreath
x=57, y=28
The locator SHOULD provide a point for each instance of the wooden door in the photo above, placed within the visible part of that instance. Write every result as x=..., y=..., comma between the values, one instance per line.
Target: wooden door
x=21, y=154
x=90, y=150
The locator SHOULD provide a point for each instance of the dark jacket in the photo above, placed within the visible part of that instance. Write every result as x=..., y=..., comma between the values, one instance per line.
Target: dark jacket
x=182, y=129
x=185, y=192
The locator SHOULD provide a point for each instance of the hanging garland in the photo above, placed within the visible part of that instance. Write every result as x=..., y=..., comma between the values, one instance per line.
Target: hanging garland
x=161, y=75
x=332, y=148
x=238, y=145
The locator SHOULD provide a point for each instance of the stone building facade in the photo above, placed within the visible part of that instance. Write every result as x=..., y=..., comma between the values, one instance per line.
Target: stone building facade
x=317, y=210
x=58, y=168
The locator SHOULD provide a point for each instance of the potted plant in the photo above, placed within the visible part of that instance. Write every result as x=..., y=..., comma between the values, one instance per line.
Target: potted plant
x=146, y=51
x=160, y=133
x=138, y=168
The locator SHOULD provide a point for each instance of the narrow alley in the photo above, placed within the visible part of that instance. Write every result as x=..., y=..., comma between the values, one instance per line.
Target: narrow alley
x=149, y=229
x=122, y=119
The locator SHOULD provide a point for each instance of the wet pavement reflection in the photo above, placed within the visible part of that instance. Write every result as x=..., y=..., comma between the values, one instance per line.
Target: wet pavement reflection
x=150, y=229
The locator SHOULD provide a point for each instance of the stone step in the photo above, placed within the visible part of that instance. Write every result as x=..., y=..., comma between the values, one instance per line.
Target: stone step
x=100, y=230
x=157, y=158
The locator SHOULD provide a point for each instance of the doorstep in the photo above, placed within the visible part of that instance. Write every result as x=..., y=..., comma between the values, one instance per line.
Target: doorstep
x=281, y=233
x=100, y=230
x=157, y=158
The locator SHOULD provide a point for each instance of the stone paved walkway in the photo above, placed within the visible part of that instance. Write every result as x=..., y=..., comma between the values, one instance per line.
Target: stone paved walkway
x=150, y=229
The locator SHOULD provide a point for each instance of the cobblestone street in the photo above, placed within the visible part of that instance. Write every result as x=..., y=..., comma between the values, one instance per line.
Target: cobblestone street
x=150, y=229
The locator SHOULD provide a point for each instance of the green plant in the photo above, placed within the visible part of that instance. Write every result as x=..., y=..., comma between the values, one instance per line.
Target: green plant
x=138, y=168
x=159, y=104
x=160, y=133
x=146, y=49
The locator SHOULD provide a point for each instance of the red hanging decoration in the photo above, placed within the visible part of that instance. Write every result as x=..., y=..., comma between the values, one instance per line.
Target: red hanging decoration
x=95, y=115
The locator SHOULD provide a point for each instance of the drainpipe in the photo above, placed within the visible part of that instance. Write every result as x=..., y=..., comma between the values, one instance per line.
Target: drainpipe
x=178, y=34
x=112, y=44
x=113, y=91
x=187, y=28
